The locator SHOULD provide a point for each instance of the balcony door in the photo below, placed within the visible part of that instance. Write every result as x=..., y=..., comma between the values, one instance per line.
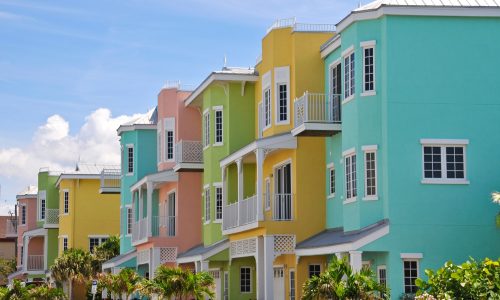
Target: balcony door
x=336, y=90
x=283, y=193
x=171, y=214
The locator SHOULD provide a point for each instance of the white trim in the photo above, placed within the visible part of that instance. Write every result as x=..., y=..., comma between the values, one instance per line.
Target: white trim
x=367, y=44
x=329, y=166
x=62, y=212
x=206, y=110
x=168, y=125
x=411, y=256
x=128, y=146
x=368, y=148
x=459, y=142
x=216, y=184
x=331, y=47
x=281, y=77
x=348, y=99
x=251, y=285
x=444, y=177
x=206, y=186
x=368, y=93
x=350, y=200
x=444, y=181
x=100, y=236
x=347, y=51
x=126, y=128
x=333, y=64
x=217, y=107
x=381, y=267
x=370, y=198
x=349, y=151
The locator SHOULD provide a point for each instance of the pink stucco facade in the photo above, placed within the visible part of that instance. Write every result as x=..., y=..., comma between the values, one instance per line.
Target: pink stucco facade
x=30, y=204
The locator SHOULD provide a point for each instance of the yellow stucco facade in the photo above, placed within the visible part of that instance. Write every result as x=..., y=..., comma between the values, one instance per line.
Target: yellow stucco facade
x=89, y=214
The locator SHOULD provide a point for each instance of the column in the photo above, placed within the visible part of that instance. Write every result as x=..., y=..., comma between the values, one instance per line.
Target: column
x=259, y=267
x=45, y=248
x=224, y=194
x=268, y=267
x=356, y=260
x=26, y=244
x=204, y=265
x=140, y=215
x=239, y=164
x=149, y=186
x=259, y=155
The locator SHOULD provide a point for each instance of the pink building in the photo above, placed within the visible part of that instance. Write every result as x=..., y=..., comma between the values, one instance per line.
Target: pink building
x=166, y=204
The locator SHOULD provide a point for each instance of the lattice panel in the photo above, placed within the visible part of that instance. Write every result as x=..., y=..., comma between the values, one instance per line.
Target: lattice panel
x=52, y=216
x=190, y=152
x=168, y=254
x=243, y=248
x=214, y=273
x=284, y=244
x=143, y=257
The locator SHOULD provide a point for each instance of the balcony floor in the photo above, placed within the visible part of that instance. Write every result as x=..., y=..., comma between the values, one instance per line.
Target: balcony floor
x=317, y=129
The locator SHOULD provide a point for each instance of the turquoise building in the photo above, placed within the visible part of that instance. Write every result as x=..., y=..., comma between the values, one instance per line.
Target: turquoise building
x=411, y=138
x=138, y=155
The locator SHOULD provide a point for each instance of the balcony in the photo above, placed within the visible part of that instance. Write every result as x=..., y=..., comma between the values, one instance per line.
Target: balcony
x=188, y=156
x=140, y=230
x=51, y=218
x=240, y=213
x=110, y=181
x=164, y=226
x=35, y=263
x=317, y=115
x=10, y=228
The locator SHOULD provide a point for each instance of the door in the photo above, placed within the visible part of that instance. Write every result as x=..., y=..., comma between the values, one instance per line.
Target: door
x=171, y=215
x=217, y=288
x=283, y=193
x=279, y=284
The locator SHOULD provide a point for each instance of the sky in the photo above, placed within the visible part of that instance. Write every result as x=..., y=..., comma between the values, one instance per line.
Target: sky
x=72, y=71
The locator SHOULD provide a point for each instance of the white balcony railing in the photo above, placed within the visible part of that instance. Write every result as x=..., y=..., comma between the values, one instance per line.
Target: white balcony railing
x=188, y=152
x=140, y=230
x=292, y=23
x=240, y=213
x=110, y=180
x=283, y=207
x=10, y=228
x=317, y=108
x=35, y=263
x=52, y=216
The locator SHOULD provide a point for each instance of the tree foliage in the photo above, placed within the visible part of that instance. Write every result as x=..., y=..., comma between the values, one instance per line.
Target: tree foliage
x=339, y=282
x=105, y=251
x=7, y=266
x=125, y=283
x=18, y=291
x=470, y=280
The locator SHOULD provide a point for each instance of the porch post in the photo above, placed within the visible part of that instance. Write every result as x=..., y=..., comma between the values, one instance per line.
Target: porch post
x=149, y=186
x=204, y=265
x=141, y=204
x=259, y=267
x=26, y=245
x=356, y=260
x=268, y=267
x=239, y=165
x=224, y=194
x=259, y=155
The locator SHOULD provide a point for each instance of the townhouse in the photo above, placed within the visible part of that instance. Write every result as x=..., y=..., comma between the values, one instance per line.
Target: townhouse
x=409, y=167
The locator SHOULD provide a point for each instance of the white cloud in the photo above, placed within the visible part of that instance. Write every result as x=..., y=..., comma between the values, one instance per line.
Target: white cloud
x=55, y=147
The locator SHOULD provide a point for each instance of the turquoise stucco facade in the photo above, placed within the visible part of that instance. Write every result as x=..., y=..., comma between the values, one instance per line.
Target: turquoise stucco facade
x=144, y=143
x=435, y=79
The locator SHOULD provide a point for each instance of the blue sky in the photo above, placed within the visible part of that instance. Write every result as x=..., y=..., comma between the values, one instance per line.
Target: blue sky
x=70, y=58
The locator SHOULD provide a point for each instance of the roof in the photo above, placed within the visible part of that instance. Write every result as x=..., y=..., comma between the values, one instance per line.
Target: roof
x=86, y=170
x=31, y=191
x=148, y=118
x=337, y=236
x=202, y=251
x=226, y=74
x=430, y=3
x=118, y=260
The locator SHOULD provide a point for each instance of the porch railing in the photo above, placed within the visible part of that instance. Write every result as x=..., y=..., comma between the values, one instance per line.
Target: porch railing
x=240, y=213
x=317, y=108
x=140, y=229
x=110, y=179
x=52, y=216
x=35, y=263
x=283, y=207
x=189, y=152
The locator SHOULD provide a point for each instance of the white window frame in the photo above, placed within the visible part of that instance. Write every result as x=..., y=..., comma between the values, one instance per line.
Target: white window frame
x=225, y=291
x=64, y=238
x=130, y=221
x=250, y=288
x=366, y=150
x=207, y=211
x=292, y=286
x=127, y=147
x=42, y=195
x=169, y=126
x=206, y=127
x=218, y=185
x=65, y=192
x=267, y=190
x=22, y=218
x=267, y=113
x=418, y=270
x=443, y=143
x=100, y=237
x=281, y=77
x=331, y=168
x=166, y=209
x=381, y=267
x=367, y=45
x=216, y=110
x=350, y=153
x=349, y=54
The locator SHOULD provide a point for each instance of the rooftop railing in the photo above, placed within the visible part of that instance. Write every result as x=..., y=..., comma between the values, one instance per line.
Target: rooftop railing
x=110, y=180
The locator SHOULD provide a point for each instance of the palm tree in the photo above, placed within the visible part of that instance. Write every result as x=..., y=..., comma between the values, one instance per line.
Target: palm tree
x=126, y=282
x=45, y=292
x=339, y=282
x=200, y=285
x=75, y=265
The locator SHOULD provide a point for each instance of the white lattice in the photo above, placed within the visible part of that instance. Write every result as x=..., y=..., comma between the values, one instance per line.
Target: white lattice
x=143, y=257
x=52, y=216
x=189, y=152
x=214, y=273
x=243, y=248
x=284, y=244
x=168, y=254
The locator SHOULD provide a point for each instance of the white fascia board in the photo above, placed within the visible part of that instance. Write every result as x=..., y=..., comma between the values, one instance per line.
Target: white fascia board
x=218, y=77
x=411, y=255
x=77, y=176
x=164, y=176
x=330, y=48
x=126, y=128
x=444, y=141
x=369, y=147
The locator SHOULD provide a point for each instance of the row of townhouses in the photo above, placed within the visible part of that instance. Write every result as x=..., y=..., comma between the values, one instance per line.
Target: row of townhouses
x=372, y=140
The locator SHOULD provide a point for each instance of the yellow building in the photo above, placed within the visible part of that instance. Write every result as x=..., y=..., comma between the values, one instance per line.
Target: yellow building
x=87, y=217
x=274, y=188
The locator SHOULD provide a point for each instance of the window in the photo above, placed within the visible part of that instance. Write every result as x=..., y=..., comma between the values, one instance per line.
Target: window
x=369, y=68
x=370, y=172
x=218, y=203
x=282, y=103
x=245, y=279
x=207, y=204
x=267, y=107
x=22, y=254
x=96, y=241
x=171, y=214
x=382, y=277
x=331, y=181
x=292, y=285
x=444, y=161
x=350, y=176
x=349, y=75
x=226, y=286
x=206, y=135
x=169, y=125
x=129, y=220
x=130, y=159
x=268, y=194
x=42, y=209
x=23, y=215
x=336, y=90
x=314, y=270
x=42, y=205
x=66, y=201
x=65, y=243
x=218, y=126
x=410, y=268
